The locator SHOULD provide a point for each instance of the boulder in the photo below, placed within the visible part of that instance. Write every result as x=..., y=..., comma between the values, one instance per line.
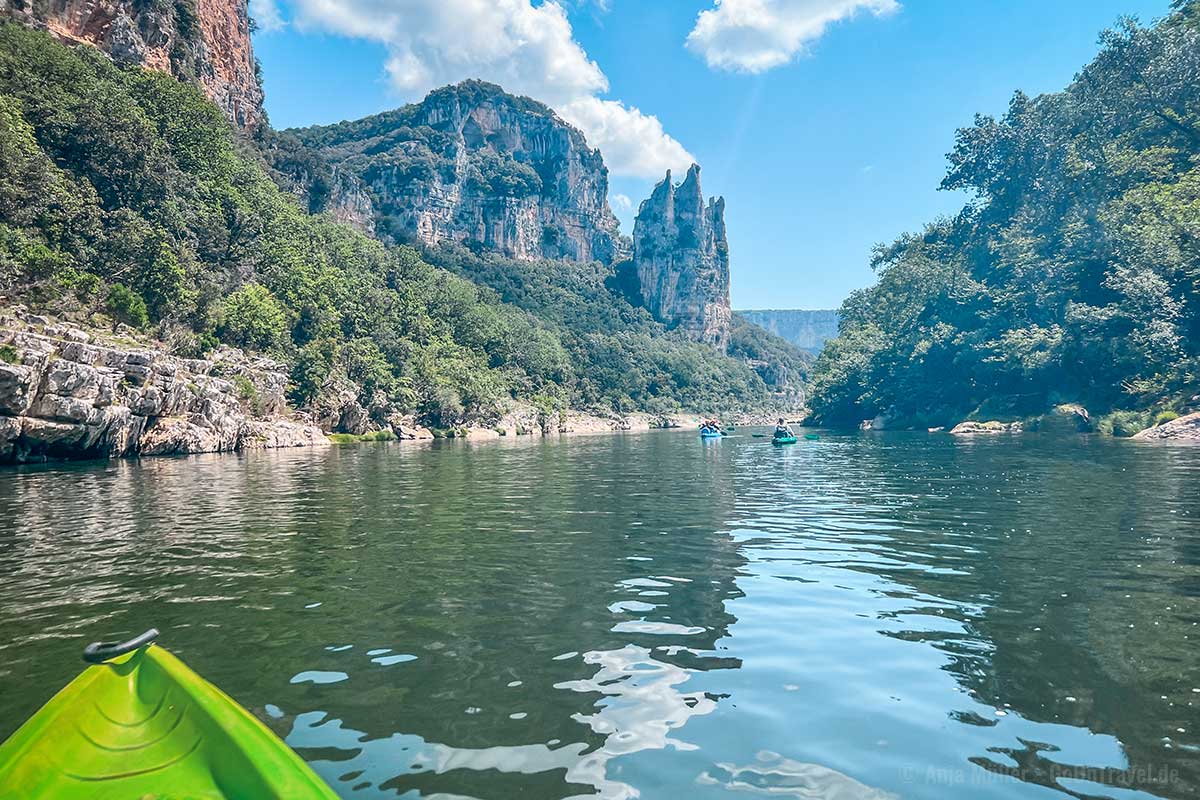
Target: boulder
x=17, y=385
x=70, y=379
x=407, y=428
x=171, y=435
x=262, y=434
x=354, y=419
x=1182, y=429
x=1065, y=418
x=10, y=432
x=64, y=409
x=971, y=428
x=888, y=420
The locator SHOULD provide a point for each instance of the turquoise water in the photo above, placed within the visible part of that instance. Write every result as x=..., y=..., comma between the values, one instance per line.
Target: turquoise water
x=648, y=615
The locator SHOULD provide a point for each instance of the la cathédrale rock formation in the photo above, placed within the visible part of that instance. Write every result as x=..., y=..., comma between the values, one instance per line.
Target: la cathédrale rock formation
x=206, y=42
x=681, y=258
x=470, y=163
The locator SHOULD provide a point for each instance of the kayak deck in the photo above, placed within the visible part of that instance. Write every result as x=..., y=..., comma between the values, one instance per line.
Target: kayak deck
x=145, y=726
x=784, y=440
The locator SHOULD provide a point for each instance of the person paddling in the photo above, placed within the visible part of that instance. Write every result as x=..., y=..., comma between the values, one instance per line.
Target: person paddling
x=782, y=431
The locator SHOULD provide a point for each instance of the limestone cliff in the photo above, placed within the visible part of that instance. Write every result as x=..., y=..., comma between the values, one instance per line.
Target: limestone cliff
x=473, y=164
x=682, y=259
x=67, y=393
x=206, y=42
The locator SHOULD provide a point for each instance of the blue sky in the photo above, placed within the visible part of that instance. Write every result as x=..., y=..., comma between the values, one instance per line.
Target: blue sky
x=824, y=123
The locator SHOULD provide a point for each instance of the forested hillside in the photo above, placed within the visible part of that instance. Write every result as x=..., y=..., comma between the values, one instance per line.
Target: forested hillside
x=626, y=360
x=1073, y=274
x=127, y=198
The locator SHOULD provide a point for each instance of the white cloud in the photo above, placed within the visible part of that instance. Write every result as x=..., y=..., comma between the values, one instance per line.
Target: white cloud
x=527, y=49
x=757, y=35
x=266, y=15
x=621, y=202
x=627, y=137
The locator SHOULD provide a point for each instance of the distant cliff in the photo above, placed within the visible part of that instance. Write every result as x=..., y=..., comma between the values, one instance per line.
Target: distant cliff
x=808, y=330
x=682, y=259
x=469, y=163
x=206, y=42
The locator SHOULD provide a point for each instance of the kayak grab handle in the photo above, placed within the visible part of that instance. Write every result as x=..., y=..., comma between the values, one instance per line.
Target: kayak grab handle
x=99, y=652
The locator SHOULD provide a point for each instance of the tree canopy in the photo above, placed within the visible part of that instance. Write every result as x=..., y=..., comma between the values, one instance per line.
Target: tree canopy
x=1073, y=274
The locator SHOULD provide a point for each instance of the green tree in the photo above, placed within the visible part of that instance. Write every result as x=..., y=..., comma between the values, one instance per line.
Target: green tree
x=127, y=306
x=252, y=318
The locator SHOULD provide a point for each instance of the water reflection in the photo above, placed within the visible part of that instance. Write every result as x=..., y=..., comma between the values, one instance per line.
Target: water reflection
x=646, y=616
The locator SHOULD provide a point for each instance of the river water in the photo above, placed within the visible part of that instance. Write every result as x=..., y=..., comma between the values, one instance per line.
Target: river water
x=647, y=615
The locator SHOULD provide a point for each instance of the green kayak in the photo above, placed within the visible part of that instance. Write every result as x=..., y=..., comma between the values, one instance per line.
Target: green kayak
x=784, y=440
x=140, y=725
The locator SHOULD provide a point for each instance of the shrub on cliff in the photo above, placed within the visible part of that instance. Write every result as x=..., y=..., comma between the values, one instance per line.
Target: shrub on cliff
x=127, y=306
x=252, y=318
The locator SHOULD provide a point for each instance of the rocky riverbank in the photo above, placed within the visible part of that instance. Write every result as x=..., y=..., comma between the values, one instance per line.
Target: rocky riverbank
x=1066, y=418
x=1182, y=429
x=524, y=420
x=70, y=393
x=67, y=392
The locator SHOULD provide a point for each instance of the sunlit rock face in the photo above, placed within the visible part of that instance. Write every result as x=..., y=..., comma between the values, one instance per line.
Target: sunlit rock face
x=473, y=164
x=682, y=259
x=207, y=43
x=65, y=393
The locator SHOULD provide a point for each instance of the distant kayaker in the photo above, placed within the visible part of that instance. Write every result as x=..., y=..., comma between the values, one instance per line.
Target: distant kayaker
x=782, y=431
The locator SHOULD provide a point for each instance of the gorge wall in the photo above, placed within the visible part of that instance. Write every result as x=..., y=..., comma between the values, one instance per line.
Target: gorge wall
x=681, y=258
x=808, y=330
x=206, y=42
x=471, y=164
x=475, y=165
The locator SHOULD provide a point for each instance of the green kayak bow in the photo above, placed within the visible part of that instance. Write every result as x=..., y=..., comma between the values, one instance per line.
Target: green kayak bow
x=139, y=725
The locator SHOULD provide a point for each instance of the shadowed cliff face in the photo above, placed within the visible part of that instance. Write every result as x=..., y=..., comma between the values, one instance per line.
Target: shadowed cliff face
x=206, y=42
x=682, y=259
x=472, y=164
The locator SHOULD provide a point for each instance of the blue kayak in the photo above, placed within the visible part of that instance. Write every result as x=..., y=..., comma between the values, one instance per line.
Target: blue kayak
x=710, y=434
